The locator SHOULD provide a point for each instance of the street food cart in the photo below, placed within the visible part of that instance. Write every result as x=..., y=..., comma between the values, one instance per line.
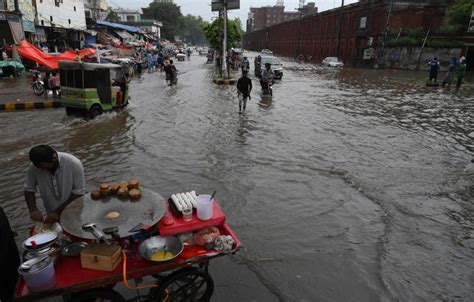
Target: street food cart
x=182, y=276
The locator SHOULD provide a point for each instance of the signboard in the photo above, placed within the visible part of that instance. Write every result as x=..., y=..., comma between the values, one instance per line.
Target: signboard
x=217, y=5
x=471, y=23
x=368, y=53
x=363, y=22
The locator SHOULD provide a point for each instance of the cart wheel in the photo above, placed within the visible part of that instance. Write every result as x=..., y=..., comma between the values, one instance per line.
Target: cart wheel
x=188, y=284
x=98, y=295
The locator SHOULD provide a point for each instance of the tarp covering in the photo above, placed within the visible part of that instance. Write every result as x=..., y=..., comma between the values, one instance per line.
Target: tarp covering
x=18, y=66
x=30, y=52
x=129, y=28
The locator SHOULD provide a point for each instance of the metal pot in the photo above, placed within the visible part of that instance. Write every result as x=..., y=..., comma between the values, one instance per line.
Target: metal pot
x=157, y=244
x=38, y=273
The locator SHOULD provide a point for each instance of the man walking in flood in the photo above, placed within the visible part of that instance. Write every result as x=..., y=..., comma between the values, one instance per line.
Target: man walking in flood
x=244, y=87
x=434, y=66
x=461, y=72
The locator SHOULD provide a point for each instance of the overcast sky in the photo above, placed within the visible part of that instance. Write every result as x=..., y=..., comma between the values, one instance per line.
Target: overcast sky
x=203, y=7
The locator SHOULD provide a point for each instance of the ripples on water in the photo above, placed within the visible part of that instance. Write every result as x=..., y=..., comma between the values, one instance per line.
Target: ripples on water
x=349, y=185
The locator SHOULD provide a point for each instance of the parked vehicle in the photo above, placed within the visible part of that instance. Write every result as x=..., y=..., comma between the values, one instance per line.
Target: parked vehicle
x=90, y=89
x=267, y=52
x=277, y=66
x=332, y=62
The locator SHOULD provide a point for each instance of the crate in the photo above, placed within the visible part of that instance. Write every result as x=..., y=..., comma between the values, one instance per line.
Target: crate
x=101, y=257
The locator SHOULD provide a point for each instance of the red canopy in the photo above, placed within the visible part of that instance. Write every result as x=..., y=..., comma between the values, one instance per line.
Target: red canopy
x=29, y=51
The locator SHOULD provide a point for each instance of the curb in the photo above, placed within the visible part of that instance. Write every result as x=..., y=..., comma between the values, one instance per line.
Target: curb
x=13, y=106
x=224, y=82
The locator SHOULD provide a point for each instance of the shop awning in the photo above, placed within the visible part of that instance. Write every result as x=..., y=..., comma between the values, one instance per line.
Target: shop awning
x=129, y=28
x=123, y=34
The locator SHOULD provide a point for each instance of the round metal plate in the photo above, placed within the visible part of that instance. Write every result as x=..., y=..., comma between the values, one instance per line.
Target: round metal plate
x=149, y=209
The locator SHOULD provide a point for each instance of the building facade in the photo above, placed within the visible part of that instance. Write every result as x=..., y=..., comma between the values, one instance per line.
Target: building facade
x=261, y=17
x=96, y=9
x=62, y=24
x=128, y=15
x=68, y=14
x=266, y=16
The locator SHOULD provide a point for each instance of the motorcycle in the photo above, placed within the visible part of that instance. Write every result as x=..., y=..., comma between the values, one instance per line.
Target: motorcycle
x=267, y=88
x=38, y=85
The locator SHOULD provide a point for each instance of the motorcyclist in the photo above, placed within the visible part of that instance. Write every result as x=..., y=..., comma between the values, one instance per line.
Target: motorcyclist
x=267, y=76
x=245, y=64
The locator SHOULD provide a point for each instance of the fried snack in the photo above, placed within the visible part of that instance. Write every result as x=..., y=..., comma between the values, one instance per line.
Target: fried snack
x=112, y=215
x=114, y=188
x=135, y=194
x=124, y=184
x=133, y=184
x=104, y=186
x=95, y=194
x=122, y=192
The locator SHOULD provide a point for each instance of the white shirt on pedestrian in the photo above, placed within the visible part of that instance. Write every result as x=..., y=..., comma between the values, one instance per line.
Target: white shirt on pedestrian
x=55, y=189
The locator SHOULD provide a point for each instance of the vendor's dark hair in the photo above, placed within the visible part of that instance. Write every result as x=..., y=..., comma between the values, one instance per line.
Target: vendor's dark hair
x=41, y=153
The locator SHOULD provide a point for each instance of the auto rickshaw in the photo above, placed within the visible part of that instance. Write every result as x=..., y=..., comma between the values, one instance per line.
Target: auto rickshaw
x=90, y=89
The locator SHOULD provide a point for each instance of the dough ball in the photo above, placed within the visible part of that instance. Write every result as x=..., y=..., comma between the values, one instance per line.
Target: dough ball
x=135, y=194
x=133, y=184
x=114, y=188
x=122, y=192
x=95, y=194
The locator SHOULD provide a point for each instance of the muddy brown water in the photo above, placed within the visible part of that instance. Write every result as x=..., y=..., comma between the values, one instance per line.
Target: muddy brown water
x=348, y=185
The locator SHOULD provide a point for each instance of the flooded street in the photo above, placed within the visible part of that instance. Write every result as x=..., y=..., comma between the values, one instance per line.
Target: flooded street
x=351, y=185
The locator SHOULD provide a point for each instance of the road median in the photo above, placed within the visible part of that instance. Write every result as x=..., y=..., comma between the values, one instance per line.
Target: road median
x=29, y=105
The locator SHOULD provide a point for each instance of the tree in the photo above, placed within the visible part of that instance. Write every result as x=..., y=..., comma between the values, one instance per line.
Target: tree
x=112, y=16
x=191, y=30
x=214, y=33
x=169, y=14
x=460, y=14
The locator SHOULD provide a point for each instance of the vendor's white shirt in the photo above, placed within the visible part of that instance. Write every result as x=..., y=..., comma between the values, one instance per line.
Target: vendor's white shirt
x=56, y=188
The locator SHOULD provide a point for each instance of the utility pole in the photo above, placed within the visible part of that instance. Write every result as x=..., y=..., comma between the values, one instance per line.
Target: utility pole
x=224, y=46
x=339, y=29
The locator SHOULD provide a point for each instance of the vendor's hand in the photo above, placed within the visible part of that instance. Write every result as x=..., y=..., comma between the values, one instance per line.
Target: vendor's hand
x=51, y=218
x=36, y=216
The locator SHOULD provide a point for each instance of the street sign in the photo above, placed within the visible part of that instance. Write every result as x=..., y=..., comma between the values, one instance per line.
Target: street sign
x=216, y=5
x=471, y=23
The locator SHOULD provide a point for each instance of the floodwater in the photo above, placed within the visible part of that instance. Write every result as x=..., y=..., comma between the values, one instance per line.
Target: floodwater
x=349, y=185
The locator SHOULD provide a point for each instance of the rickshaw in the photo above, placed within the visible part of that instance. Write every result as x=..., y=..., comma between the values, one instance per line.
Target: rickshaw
x=90, y=89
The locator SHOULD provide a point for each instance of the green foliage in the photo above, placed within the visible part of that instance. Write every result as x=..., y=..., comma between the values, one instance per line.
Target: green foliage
x=460, y=14
x=191, y=30
x=112, y=16
x=416, y=33
x=449, y=29
x=404, y=42
x=169, y=14
x=443, y=43
x=214, y=33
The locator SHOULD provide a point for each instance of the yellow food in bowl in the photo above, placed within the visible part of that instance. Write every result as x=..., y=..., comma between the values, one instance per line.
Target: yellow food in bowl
x=162, y=256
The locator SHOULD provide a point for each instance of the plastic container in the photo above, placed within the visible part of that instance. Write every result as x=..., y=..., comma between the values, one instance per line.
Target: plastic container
x=204, y=207
x=40, y=276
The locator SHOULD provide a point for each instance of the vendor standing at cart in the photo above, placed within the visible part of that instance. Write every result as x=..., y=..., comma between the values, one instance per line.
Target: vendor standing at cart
x=60, y=179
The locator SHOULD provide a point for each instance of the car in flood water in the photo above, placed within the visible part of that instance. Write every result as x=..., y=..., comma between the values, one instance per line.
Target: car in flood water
x=277, y=67
x=332, y=62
